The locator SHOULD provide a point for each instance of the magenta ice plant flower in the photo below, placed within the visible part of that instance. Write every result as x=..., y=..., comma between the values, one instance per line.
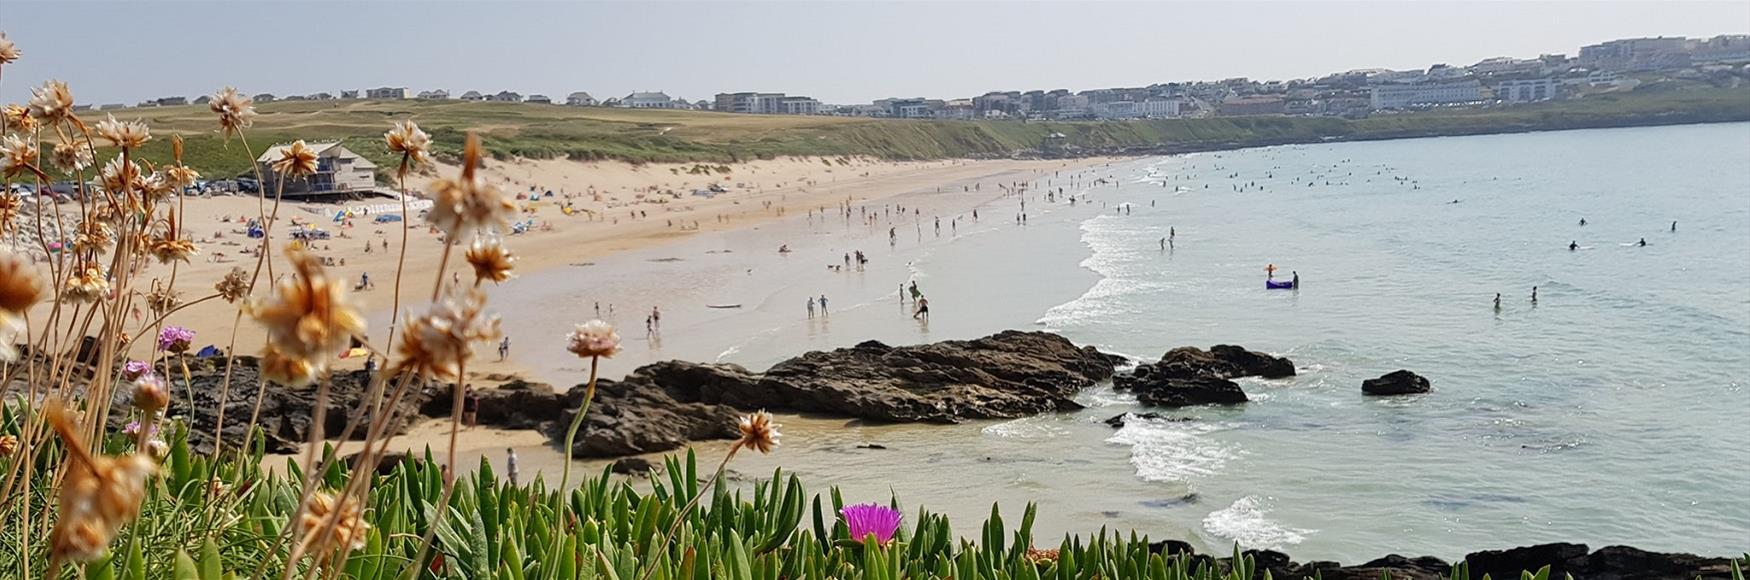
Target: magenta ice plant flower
x=175, y=339
x=869, y=519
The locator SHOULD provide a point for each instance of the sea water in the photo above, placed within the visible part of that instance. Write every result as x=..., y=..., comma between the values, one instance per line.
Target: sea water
x=1611, y=411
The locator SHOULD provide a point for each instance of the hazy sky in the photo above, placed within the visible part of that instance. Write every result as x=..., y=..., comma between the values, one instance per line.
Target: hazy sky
x=839, y=52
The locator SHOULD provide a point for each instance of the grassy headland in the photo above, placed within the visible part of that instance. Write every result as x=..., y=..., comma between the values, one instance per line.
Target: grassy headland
x=643, y=136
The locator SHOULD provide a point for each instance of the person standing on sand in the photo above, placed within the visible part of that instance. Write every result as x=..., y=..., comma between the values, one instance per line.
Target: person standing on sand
x=470, y=406
x=823, y=305
x=504, y=348
x=811, y=308
x=510, y=464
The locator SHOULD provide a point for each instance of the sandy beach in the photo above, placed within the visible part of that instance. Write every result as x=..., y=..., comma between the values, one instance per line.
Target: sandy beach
x=617, y=207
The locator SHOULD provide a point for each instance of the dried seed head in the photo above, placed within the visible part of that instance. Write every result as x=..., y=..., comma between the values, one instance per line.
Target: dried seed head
x=8, y=444
x=413, y=144
x=71, y=157
x=124, y=134
x=490, y=259
x=151, y=393
x=180, y=176
x=592, y=339
x=20, y=286
x=758, y=432
x=162, y=299
x=52, y=103
x=331, y=526
x=87, y=283
x=92, y=236
x=236, y=112
x=291, y=371
x=17, y=155
x=99, y=494
x=435, y=344
x=469, y=203
x=234, y=286
x=170, y=249
x=17, y=118
x=296, y=160
x=310, y=314
x=119, y=176
x=8, y=50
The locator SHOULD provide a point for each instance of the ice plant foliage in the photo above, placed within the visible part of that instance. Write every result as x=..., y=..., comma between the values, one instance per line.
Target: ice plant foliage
x=868, y=519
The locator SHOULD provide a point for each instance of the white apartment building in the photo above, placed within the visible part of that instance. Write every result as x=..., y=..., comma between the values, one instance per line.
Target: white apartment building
x=1407, y=95
x=1527, y=90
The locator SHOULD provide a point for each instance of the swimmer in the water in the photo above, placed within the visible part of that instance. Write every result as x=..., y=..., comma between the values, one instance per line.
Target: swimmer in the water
x=1642, y=243
x=1573, y=246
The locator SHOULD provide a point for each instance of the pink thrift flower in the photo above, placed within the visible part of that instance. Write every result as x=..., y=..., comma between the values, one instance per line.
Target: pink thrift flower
x=175, y=339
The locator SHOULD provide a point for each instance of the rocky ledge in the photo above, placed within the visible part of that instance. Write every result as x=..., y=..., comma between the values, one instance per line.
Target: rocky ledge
x=1575, y=560
x=662, y=406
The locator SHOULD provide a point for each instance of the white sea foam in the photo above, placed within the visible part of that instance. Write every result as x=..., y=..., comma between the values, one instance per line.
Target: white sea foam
x=1041, y=427
x=1245, y=523
x=1173, y=451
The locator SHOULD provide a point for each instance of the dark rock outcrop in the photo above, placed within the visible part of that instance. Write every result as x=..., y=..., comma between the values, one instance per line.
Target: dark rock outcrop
x=636, y=415
x=286, y=414
x=1612, y=563
x=1009, y=374
x=1118, y=421
x=1395, y=383
x=634, y=466
x=1192, y=376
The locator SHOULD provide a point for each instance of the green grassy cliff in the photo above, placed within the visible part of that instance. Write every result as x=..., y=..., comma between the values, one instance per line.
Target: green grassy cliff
x=641, y=136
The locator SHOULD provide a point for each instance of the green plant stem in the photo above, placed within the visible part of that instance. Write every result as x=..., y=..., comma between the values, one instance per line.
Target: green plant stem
x=571, y=433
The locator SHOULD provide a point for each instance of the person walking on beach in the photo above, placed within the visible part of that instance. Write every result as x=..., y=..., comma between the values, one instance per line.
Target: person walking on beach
x=823, y=305
x=504, y=348
x=510, y=466
x=810, y=307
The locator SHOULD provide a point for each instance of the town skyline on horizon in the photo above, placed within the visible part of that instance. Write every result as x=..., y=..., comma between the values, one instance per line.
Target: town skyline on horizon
x=46, y=59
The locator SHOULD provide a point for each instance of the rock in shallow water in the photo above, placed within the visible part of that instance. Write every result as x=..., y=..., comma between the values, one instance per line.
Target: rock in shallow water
x=1395, y=383
x=1192, y=376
